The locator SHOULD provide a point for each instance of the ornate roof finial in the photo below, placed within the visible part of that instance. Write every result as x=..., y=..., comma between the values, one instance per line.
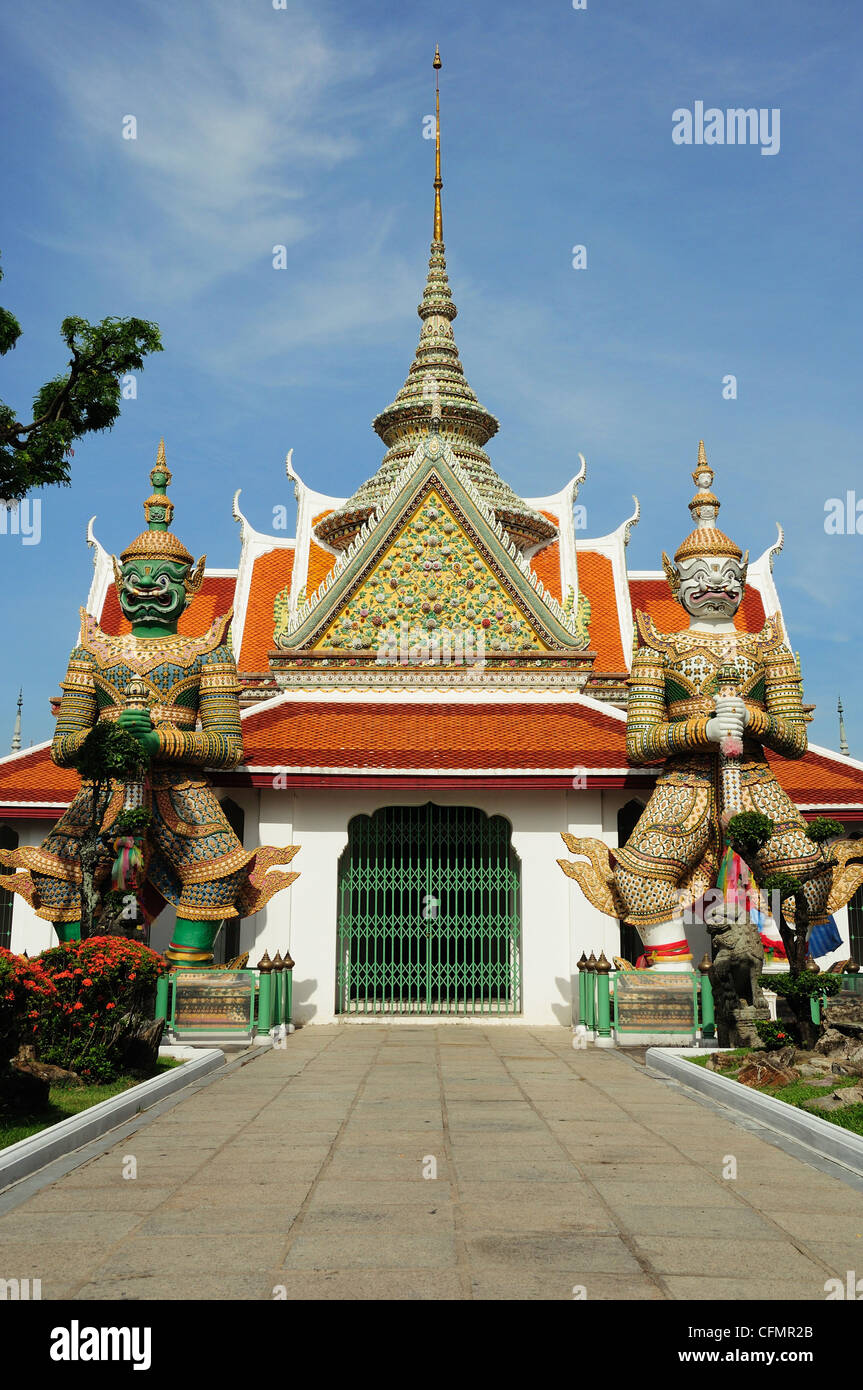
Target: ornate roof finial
x=452, y=409
x=843, y=740
x=16, y=732
x=438, y=181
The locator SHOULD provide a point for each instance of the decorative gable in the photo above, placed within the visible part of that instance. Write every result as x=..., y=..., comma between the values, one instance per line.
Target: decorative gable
x=432, y=580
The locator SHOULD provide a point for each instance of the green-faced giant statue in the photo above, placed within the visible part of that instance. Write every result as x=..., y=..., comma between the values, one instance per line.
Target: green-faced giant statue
x=186, y=717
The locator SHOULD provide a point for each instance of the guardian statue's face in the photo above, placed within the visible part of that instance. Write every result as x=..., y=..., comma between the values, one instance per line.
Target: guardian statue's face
x=711, y=586
x=153, y=591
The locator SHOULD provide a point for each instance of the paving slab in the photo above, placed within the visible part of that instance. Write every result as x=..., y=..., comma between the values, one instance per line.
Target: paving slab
x=345, y=1285
x=557, y=1175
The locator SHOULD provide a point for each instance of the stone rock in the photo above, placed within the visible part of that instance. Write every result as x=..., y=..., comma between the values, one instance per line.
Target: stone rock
x=837, y=1100
x=723, y=1061
x=813, y=1062
x=21, y=1093
x=839, y=1044
x=845, y=1015
x=141, y=1045
x=763, y=1071
x=847, y=1068
x=784, y=1056
x=831, y=1041
x=27, y=1061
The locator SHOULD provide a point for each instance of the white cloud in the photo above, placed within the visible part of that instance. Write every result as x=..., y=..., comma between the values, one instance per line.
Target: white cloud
x=238, y=111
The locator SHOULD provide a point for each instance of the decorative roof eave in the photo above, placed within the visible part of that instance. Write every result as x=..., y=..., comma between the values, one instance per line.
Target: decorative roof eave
x=761, y=573
x=562, y=505
x=561, y=627
x=309, y=505
x=253, y=544
x=103, y=573
x=569, y=773
x=613, y=546
x=412, y=697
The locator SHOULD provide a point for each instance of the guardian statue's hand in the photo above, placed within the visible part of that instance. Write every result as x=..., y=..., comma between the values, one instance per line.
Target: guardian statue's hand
x=137, y=723
x=730, y=718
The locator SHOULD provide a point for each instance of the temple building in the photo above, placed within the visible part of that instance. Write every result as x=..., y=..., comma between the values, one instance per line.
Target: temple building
x=433, y=678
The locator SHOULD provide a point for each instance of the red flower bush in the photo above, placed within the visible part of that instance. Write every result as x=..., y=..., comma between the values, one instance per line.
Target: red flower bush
x=97, y=983
x=26, y=990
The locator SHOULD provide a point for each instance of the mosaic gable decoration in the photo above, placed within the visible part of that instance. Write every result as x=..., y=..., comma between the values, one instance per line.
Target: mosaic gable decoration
x=432, y=565
x=432, y=577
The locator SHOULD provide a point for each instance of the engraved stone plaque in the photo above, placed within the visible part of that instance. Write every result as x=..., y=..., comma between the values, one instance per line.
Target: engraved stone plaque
x=216, y=1001
x=655, y=1002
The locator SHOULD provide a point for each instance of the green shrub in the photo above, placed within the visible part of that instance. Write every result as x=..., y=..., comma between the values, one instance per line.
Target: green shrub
x=131, y=821
x=775, y=1035
x=785, y=884
x=823, y=828
x=802, y=986
x=101, y=984
x=26, y=994
x=110, y=751
x=748, y=831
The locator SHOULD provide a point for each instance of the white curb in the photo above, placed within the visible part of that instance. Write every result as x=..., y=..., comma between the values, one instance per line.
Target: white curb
x=29, y=1155
x=829, y=1140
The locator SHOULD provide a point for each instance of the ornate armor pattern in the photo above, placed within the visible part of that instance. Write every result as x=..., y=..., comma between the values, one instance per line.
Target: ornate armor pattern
x=672, y=856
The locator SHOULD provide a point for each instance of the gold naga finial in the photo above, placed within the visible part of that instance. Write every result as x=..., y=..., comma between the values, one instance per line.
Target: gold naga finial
x=438, y=181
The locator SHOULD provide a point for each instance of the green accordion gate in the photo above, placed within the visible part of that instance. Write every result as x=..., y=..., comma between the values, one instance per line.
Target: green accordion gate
x=428, y=914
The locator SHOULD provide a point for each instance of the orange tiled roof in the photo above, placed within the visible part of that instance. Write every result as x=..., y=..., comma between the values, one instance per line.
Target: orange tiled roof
x=32, y=776
x=596, y=580
x=815, y=780
x=653, y=596
x=270, y=574
x=546, y=565
x=215, y=598
x=458, y=735
x=387, y=737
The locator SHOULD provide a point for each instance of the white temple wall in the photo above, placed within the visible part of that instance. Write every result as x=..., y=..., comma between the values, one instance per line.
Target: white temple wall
x=557, y=921
x=304, y=917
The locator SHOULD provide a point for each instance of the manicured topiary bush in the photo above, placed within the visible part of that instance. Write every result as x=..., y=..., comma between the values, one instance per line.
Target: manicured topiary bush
x=805, y=985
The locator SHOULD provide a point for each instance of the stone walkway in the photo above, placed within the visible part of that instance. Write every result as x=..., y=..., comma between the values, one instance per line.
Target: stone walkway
x=301, y=1175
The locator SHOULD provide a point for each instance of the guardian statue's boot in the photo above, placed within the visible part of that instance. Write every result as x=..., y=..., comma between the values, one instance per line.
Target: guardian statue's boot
x=706, y=702
x=186, y=716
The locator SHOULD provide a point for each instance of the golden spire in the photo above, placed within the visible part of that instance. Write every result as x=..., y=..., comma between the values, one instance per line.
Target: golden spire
x=438, y=181
x=706, y=539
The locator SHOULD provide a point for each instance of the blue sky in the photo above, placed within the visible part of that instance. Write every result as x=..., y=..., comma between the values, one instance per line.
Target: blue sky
x=304, y=127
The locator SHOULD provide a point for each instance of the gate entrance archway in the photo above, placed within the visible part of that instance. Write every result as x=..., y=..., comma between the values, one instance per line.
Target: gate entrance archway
x=429, y=914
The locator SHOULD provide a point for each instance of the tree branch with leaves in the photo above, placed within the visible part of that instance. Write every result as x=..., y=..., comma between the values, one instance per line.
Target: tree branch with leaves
x=84, y=399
